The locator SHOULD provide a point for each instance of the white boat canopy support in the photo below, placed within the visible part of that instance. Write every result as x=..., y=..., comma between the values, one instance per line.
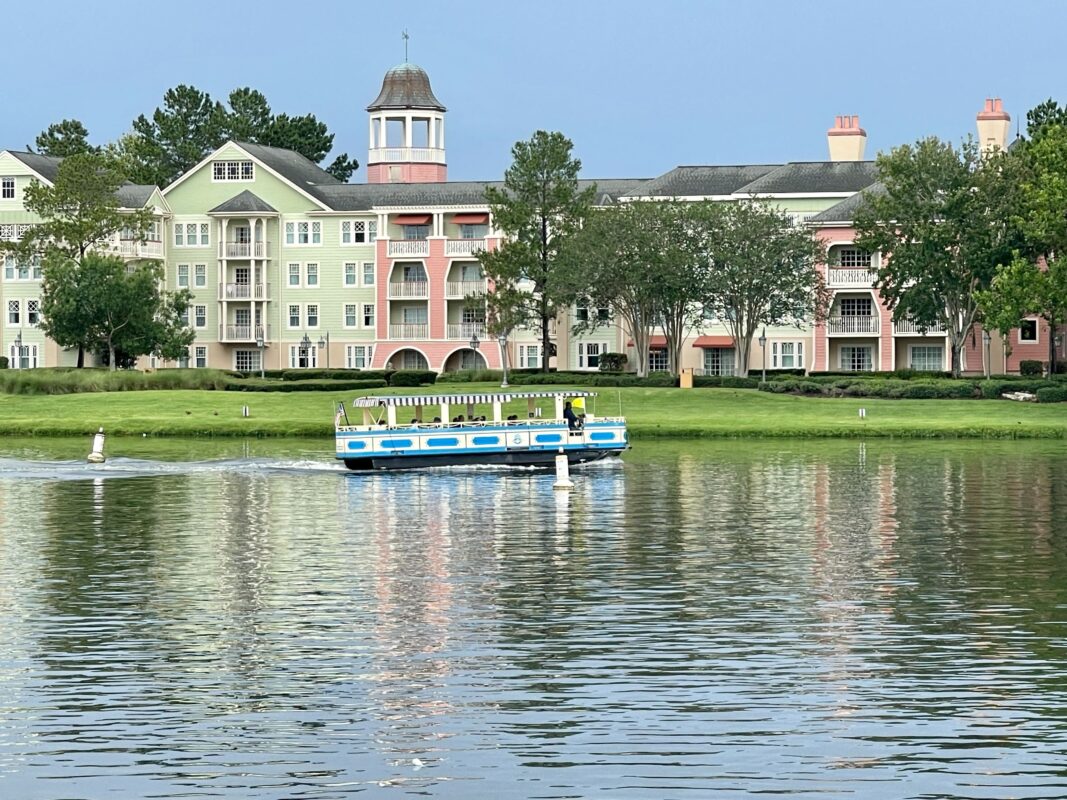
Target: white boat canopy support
x=496, y=399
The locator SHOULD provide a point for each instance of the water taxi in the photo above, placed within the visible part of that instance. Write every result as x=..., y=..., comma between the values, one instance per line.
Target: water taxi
x=446, y=429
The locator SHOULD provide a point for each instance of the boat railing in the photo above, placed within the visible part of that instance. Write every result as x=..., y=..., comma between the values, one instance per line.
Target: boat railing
x=471, y=424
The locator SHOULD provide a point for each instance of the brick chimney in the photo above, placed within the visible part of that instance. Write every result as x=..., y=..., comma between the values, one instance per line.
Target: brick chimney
x=994, y=125
x=847, y=139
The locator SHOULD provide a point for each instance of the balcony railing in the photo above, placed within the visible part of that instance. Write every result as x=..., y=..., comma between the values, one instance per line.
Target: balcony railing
x=909, y=326
x=423, y=155
x=463, y=247
x=850, y=276
x=465, y=330
x=243, y=333
x=131, y=248
x=464, y=288
x=244, y=291
x=409, y=247
x=409, y=289
x=419, y=330
x=852, y=324
x=244, y=250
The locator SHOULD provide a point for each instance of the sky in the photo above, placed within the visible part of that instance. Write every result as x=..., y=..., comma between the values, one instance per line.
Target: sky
x=639, y=87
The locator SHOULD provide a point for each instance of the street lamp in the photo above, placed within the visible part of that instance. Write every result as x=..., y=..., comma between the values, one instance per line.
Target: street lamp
x=502, y=339
x=474, y=344
x=763, y=347
x=260, y=344
x=18, y=350
x=324, y=341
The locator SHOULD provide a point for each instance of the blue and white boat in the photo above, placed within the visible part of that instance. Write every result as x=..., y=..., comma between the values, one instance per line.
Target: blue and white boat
x=446, y=429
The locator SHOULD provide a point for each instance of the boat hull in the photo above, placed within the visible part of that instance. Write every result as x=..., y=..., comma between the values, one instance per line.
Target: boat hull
x=511, y=458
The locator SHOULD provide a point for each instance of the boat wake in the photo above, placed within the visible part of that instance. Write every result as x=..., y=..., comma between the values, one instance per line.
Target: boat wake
x=118, y=467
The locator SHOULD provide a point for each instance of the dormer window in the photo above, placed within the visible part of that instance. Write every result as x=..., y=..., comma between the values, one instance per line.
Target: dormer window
x=233, y=171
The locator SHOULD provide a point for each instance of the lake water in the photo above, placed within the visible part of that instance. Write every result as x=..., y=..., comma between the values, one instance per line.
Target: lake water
x=737, y=619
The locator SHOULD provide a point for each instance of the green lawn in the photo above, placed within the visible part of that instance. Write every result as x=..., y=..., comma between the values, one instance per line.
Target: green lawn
x=649, y=412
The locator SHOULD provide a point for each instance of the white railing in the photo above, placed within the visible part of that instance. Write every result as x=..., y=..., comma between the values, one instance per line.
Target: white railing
x=409, y=247
x=243, y=291
x=909, y=326
x=243, y=333
x=464, y=288
x=852, y=324
x=715, y=372
x=463, y=247
x=409, y=331
x=424, y=155
x=465, y=330
x=850, y=276
x=132, y=248
x=408, y=289
x=244, y=250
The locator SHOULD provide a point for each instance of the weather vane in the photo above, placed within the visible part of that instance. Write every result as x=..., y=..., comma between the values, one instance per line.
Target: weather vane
x=405, y=37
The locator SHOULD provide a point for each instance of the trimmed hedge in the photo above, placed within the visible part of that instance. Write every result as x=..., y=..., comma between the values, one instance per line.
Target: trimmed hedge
x=412, y=377
x=996, y=388
x=899, y=374
x=1031, y=369
x=472, y=376
x=63, y=380
x=1052, y=394
x=725, y=382
x=3, y=362
x=333, y=374
x=656, y=379
x=893, y=388
x=321, y=385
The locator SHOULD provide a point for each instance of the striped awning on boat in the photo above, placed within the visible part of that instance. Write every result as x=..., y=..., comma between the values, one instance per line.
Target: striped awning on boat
x=458, y=399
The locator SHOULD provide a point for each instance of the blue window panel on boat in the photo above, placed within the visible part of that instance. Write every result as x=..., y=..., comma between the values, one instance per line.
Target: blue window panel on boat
x=485, y=440
x=544, y=438
x=357, y=445
x=443, y=441
x=396, y=444
x=601, y=437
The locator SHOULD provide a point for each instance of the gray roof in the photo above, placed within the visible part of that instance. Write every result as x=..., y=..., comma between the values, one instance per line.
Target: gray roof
x=244, y=203
x=846, y=210
x=702, y=181
x=45, y=166
x=406, y=86
x=134, y=195
x=800, y=177
x=292, y=166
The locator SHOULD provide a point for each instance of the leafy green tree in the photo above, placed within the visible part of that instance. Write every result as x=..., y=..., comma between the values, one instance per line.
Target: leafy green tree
x=759, y=269
x=62, y=139
x=942, y=225
x=1043, y=116
x=539, y=208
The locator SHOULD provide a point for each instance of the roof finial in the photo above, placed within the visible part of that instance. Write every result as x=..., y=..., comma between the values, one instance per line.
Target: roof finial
x=405, y=37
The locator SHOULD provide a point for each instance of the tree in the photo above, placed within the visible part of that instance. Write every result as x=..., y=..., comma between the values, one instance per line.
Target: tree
x=539, y=208
x=942, y=225
x=62, y=139
x=250, y=116
x=115, y=307
x=759, y=269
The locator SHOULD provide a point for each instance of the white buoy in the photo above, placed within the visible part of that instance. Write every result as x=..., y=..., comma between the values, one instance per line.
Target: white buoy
x=563, y=474
x=97, y=455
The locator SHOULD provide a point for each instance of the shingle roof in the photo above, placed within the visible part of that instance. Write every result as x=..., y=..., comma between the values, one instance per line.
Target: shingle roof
x=702, y=181
x=292, y=166
x=45, y=166
x=846, y=210
x=800, y=177
x=134, y=195
x=244, y=203
x=406, y=86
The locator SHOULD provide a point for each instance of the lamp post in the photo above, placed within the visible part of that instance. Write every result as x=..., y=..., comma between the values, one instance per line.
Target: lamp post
x=18, y=350
x=985, y=340
x=502, y=339
x=763, y=347
x=324, y=342
x=305, y=349
x=474, y=344
x=260, y=344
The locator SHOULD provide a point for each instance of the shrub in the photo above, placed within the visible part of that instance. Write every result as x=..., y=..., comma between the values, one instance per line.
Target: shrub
x=67, y=381
x=334, y=374
x=472, y=376
x=3, y=362
x=612, y=362
x=412, y=377
x=1052, y=394
x=1031, y=369
x=320, y=385
x=725, y=382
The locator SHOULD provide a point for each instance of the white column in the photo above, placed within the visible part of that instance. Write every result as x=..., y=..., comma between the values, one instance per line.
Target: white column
x=431, y=132
x=441, y=131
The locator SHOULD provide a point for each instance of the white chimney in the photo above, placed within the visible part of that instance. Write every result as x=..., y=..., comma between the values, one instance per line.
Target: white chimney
x=994, y=125
x=847, y=139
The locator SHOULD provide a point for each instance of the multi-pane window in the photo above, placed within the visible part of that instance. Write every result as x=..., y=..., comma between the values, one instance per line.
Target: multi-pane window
x=412, y=232
x=246, y=360
x=358, y=356
x=185, y=318
x=856, y=307
x=183, y=276
x=581, y=313
x=200, y=316
x=192, y=234
x=473, y=231
x=313, y=315
x=350, y=274
x=351, y=315
x=719, y=360
x=201, y=357
x=22, y=270
x=589, y=355
x=294, y=316
x=33, y=312
x=368, y=273
x=14, y=317
x=787, y=355
x=355, y=231
x=297, y=233
x=1028, y=330
x=657, y=360
x=927, y=358
x=205, y=234
x=856, y=359
x=294, y=274
x=233, y=171
x=529, y=356
x=312, y=275
x=7, y=188
x=368, y=315
x=200, y=275
x=301, y=357
x=852, y=257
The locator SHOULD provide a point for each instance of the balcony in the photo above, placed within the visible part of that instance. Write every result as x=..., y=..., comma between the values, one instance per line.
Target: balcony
x=459, y=289
x=850, y=276
x=131, y=248
x=244, y=291
x=465, y=330
x=853, y=324
x=243, y=333
x=409, y=290
x=908, y=327
x=409, y=247
x=417, y=330
x=406, y=155
x=463, y=247
x=244, y=250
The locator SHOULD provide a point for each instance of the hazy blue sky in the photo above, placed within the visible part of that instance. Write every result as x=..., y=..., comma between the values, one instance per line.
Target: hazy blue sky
x=638, y=86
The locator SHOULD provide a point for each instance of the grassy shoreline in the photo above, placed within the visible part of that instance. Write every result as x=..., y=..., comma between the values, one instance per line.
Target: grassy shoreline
x=650, y=413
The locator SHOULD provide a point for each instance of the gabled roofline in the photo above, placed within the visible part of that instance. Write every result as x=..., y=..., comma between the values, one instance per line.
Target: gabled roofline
x=15, y=155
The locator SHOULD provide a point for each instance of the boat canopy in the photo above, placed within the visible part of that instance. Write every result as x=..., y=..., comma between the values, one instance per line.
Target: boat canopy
x=458, y=399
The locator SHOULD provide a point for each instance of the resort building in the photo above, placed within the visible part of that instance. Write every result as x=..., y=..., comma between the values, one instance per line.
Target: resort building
x=290, y=268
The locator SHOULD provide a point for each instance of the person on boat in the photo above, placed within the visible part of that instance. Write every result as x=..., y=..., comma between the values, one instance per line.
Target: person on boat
x=572, y=419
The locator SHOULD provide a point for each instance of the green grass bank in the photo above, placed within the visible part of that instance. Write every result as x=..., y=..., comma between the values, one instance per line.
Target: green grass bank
x=650, y=412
